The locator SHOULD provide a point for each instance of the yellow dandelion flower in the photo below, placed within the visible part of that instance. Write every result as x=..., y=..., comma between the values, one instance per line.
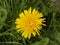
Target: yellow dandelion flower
x=29, y=23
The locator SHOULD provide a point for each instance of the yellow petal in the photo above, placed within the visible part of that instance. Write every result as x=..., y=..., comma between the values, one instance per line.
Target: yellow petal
x=25, y=12
x=17, y=26
x=29, y=10
x=21, y=15
x=34, y=33
x=40, y=15
x=26, y=35
x=29, y=35
x=34, y=12
x=23, y=33
x=44, y=24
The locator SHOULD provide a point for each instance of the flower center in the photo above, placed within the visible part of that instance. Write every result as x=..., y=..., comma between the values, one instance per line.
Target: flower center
x=30, y=23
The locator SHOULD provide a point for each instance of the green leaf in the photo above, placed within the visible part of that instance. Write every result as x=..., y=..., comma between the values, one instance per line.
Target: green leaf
x=3, y=15
x=36, y=3
x=36, y=43
x=53, y=43
x=57, y=36
x=22, y=5
x=43, y=41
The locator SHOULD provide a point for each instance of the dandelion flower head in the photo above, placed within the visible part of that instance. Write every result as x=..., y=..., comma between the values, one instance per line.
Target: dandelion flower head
x=29, y=23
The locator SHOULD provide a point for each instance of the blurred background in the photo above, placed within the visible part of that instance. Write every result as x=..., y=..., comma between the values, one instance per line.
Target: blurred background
x=9, y=11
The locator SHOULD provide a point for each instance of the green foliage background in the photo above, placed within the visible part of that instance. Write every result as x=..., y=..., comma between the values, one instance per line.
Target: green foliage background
x=9, y=11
